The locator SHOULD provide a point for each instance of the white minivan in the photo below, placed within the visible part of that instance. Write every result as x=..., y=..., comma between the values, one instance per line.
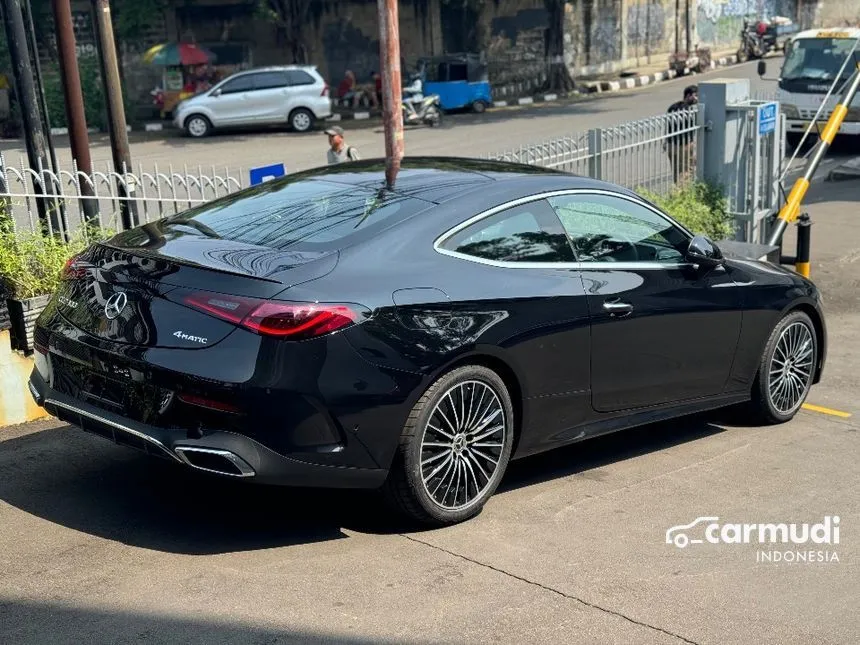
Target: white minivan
x=294, y=94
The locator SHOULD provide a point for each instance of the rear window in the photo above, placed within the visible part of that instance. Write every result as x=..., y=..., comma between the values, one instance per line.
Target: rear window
x=311, y=214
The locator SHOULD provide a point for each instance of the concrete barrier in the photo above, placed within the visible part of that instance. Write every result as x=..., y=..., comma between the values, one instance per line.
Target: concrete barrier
x=16, y=402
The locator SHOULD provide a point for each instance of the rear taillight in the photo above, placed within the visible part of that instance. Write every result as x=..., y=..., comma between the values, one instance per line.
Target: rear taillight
x=74, y=269
x=289, y=320
x=325, y=90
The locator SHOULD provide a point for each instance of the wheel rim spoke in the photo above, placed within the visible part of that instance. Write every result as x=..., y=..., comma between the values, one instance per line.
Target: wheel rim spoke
x=462, y=444
x=789, y=373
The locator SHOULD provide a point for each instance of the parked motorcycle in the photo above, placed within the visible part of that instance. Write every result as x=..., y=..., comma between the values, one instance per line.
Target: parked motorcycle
x=759, y=38
x=427, y=111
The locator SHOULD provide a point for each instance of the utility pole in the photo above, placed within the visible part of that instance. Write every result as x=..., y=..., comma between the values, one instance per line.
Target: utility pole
x=677, y=26
x=115, y=108
x=392, y=113
x=75, y=114
x=32, y=45
x=28, y=100
x=687, y=22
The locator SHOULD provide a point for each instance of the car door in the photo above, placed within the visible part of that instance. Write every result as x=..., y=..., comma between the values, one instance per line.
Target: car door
x=271, y=97
x=526, y=293
x=233, y=101
x=663, y=330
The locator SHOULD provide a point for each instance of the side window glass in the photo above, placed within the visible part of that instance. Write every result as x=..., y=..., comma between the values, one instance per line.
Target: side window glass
x=240, y=84
x=269, y=80
x=298, y=77
x=603, y=228
x=527, y=233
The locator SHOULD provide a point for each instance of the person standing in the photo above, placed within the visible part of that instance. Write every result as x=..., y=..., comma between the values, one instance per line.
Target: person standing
x=681, y=142
x=339, y=151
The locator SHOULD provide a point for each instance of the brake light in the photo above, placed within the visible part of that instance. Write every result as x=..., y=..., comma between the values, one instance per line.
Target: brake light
x=289, y=320
x=325, y=89
x=74, y=269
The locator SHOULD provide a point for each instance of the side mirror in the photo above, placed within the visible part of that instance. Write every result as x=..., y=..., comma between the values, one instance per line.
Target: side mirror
x=216, y=92
x=703, y=252
x=762, y=68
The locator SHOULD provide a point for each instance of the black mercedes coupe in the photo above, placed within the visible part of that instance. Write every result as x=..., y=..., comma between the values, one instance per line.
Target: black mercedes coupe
x=325, y=330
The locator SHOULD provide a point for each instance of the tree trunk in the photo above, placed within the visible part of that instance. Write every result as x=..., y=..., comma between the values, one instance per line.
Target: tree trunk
x=558, y=76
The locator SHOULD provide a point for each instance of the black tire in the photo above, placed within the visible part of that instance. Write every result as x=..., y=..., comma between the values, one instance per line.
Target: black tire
x=405, y=488
x=479, y=107
x=198, y=126
x=742, y=55
x=301, y=120
x=766, y=410
x=437, y=122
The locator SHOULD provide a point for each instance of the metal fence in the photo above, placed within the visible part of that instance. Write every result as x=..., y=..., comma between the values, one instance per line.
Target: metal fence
x=651, y=154
x=151, y=193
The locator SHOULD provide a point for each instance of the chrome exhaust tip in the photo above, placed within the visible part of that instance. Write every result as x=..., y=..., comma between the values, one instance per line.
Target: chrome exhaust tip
x=213, y=460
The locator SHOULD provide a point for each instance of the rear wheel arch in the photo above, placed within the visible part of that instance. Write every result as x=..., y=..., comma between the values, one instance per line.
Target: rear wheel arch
x=505, y=372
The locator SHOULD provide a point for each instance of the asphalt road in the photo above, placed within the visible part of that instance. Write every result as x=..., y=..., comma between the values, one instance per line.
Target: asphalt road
x=462, y=135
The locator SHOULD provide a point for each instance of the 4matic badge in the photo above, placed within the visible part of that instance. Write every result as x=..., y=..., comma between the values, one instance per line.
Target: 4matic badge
x=194, y=339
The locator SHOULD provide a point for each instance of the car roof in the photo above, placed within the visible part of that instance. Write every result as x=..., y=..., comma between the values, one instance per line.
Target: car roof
x=277, y=68
x=838, y=32
x=441, y=179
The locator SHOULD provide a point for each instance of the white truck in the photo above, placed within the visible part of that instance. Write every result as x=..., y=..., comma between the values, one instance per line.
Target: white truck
x=813, y=59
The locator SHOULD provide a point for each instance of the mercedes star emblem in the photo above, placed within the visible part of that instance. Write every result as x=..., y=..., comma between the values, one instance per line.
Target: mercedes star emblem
x=115, y=304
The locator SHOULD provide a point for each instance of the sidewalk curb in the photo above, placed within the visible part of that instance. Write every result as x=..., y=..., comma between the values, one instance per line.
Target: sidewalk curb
x=600, y=87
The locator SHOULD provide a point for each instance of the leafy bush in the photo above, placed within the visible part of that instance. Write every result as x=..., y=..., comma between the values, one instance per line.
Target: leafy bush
x=30, y=263
x=700, y=207
x=95, y=109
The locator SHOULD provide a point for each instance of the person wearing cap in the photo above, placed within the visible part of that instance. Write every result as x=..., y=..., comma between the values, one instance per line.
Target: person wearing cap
x=681, y=143
x=339, y=151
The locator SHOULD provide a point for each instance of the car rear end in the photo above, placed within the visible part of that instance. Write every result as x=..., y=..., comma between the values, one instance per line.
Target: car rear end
x=180, y=338
x=318, y=95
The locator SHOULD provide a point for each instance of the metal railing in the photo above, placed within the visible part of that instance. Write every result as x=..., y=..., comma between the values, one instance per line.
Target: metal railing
x=653, y=154
x=153, y=192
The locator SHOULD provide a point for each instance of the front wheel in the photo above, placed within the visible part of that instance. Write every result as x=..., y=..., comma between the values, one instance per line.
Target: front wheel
x=786, y=370
x=479, y=107
x=454, y=448
x=197, y=126
x=742, y=55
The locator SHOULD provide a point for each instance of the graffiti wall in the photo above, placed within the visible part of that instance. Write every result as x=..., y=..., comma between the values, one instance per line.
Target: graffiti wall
x=593, y=32
x=719, y=22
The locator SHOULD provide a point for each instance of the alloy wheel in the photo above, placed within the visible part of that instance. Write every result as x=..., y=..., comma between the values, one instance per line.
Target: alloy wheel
x=791, y=367
x=462, y=445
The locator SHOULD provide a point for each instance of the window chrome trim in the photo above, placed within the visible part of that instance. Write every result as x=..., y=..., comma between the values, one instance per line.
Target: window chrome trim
x=571, y=266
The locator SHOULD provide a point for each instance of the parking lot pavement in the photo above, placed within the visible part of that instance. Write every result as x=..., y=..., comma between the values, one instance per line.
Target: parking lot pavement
x=100, y=544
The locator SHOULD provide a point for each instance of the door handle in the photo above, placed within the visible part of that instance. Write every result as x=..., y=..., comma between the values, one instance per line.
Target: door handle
x=617, y=308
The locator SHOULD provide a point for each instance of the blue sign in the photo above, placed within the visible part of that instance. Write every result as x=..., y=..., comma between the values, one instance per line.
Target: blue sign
x=267, y=173
x=767, y=118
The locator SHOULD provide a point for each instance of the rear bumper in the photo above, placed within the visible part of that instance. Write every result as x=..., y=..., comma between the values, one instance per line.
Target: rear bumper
x=223, y=453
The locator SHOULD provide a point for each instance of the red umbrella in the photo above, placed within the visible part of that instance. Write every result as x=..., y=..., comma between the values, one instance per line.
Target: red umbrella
x=178, y=54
